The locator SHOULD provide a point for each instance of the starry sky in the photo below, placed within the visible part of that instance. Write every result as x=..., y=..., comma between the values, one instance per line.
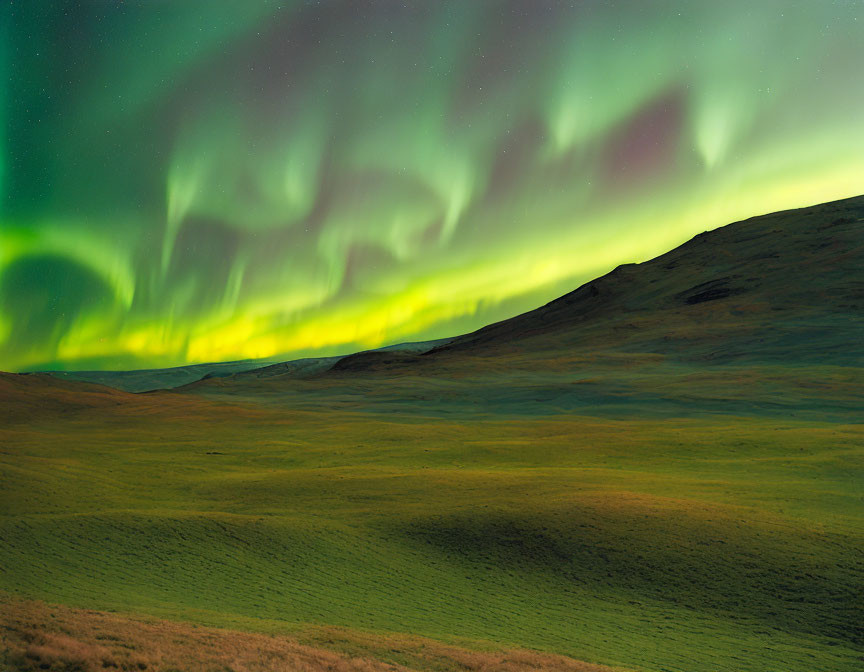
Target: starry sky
x=207, y=180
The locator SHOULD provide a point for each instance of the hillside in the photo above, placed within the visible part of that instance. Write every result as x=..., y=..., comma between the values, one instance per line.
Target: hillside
x=764, y=316
x=762, y=290
x=148, y=380
x=33, y=396
x=36, y=636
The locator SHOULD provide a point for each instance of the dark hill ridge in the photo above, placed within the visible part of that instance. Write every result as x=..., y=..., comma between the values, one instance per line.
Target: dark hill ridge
x=789, y=284
x=764, y=316
x=301, y=368
x=147, y=380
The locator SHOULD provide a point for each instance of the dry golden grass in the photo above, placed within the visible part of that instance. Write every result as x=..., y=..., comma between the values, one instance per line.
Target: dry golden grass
x=36, y=637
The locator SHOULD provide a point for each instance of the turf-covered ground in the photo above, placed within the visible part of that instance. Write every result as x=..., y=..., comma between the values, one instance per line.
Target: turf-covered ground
x=39, y=637
x=724, y=543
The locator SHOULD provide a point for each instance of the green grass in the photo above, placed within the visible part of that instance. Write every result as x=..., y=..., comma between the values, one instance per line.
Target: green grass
x=677, y=545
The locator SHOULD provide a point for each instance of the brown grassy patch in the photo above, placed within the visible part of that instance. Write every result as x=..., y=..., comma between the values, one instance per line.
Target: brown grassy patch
x=36, y=637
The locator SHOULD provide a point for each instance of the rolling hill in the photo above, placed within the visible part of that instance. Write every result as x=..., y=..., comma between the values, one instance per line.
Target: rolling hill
x=148, y=380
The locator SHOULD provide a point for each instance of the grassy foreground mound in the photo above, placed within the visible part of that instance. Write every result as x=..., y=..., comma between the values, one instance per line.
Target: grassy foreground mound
x=35, y=637
x=670, y=544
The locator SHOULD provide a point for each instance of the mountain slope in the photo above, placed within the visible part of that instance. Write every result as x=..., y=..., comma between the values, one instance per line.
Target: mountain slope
x=764, y=316
x=788, y=283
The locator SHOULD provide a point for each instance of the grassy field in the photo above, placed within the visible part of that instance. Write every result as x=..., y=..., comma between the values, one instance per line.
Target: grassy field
x=35, y=637
x=668, y=544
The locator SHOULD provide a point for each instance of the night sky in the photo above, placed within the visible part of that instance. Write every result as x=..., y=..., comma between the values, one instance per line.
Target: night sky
x=203, y=180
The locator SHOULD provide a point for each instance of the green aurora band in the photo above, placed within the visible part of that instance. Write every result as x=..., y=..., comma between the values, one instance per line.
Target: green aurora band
x=204, y=180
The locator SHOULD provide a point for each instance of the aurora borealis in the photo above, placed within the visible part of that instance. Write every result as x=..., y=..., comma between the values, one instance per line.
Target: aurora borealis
x=187, y=181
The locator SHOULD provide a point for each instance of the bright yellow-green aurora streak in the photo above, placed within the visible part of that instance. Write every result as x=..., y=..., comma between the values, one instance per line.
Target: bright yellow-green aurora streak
x=213, y=180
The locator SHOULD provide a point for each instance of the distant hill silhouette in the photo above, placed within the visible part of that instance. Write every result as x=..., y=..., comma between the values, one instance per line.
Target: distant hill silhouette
x=148, y=380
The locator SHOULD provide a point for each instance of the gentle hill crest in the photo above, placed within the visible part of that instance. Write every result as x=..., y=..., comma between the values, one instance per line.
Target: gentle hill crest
x=758, y=287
